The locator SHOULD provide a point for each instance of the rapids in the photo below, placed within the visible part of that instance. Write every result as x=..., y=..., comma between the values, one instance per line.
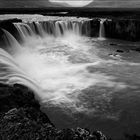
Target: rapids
x=53, y=61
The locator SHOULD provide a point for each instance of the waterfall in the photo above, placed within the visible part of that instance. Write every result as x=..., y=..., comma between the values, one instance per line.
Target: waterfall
x=57, y=61
x=9, y=40
x=46, y=60
x=55, y=28
x=102, y=29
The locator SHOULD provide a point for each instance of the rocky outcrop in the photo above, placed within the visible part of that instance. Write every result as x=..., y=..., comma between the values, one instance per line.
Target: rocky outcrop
x=124, y=29
x=15, y=97
x=25, y=123
x=30, y=124
x=22, y=119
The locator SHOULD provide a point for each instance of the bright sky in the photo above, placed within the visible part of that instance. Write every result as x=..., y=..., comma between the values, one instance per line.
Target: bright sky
x=74, y=3
x=69, y=3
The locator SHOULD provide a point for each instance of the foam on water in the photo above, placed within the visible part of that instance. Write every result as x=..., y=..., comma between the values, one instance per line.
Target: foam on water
x=50, y=67
x=54, y=65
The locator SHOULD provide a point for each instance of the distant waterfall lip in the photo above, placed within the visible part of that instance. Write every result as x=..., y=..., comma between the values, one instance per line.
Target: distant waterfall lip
x=56, y=28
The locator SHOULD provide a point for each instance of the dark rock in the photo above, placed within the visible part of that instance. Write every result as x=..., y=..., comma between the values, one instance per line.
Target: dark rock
x=13, y=20
x=31, y=124
x=9, y=26
x=132, y=137
x=16, y=96
x=137, y=49
x=25, y=123
x=113, y=44
x=125, y=29
x=99, y=135
x=22, y=119
x=119, y=51
x=2, y=38
x=94, y=28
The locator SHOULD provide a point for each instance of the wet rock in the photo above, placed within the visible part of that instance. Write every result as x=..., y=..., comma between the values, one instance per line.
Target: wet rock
x=119, y=51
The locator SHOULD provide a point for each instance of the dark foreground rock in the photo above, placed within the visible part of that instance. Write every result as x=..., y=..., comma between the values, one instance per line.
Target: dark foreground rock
x=8, y=25
x=22, y=119
x=30, y=124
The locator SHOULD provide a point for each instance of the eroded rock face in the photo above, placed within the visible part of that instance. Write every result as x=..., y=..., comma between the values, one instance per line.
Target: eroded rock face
x=125, y=29
x=9, y=26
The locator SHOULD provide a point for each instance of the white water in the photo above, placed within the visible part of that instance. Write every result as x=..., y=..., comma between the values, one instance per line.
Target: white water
x=102, y=30
x=53, y=61
x=83, y=81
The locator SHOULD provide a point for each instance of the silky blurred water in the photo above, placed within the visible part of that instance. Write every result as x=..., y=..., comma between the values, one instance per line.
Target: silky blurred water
x=78, y=80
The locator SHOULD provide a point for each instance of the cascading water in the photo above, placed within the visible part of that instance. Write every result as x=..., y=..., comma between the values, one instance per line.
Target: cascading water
x=102, y=29
x=55, y=28
x=52, y=60
x=45, y=60
x=85, y=81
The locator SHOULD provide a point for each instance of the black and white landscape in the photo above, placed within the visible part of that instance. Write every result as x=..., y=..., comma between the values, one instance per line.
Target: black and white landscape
x=69, y=70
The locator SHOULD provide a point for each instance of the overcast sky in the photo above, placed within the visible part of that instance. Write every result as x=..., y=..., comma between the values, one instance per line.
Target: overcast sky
x=46, y=3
